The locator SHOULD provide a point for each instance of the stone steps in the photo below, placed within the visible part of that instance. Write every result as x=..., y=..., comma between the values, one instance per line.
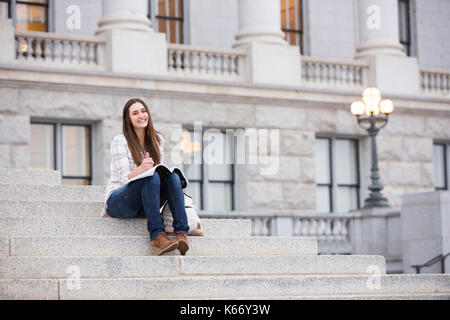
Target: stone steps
x=101, y=226
x=140, y=245
x=30, y=177
x=50, y=208
x=165, y=266
x=51, y=192
x=226, y=286
x=51, y=233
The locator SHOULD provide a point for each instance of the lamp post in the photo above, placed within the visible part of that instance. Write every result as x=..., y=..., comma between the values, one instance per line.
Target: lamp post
x=372, y=114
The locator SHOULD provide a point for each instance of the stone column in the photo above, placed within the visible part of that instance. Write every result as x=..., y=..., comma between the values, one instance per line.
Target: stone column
x=390, y=69
x=270, y=59
x=132, y=45
x=378, y=28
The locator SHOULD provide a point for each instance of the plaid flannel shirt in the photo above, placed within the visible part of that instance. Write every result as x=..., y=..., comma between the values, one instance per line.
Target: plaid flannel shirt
x=122, y=164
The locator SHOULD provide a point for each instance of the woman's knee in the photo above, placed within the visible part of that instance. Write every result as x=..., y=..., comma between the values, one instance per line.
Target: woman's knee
x=174, y=178
x=154, y=179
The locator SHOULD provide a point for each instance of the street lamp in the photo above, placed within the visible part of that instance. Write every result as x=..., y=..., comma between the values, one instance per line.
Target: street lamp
x=372, y=114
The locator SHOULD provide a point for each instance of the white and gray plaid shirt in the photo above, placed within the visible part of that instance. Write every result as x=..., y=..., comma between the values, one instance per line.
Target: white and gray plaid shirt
x=122, y=164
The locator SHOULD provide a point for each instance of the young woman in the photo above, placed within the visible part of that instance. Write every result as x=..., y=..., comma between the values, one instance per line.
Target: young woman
x=138, y=149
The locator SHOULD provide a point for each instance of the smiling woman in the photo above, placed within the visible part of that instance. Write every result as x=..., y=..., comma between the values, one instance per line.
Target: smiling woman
x=135, y=151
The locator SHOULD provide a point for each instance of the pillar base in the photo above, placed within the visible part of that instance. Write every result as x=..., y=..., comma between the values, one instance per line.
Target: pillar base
x=273, y=64
x=394, y=74
x=137, y=52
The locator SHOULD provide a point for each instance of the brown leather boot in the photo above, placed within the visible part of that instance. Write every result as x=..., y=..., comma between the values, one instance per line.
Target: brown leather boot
x=162, y=244
x=183, y=243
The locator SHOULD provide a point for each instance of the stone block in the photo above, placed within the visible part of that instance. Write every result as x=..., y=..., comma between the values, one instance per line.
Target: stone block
x=297, y=142
x=321, y=264
x=263, y=195
x=321, y=120
x=20, y=156
x=417, y=149
x=110, y=226
x=301, y=197
x=389, y=148
x=405, y=125
x=5, y=156
x=215, y=245
x=14, y=129
x=276, y=168
x=403, y=173
x=437, y=128
x=67, y=105
x=9, y=100
x=279, y=117
x=20, y=289
x=4, y=246
x=30, y=177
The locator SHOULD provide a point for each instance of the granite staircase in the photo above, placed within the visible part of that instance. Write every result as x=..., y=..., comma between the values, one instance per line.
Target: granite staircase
x=55, y=245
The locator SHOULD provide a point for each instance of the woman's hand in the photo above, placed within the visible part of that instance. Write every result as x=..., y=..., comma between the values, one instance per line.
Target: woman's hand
x=147, y=163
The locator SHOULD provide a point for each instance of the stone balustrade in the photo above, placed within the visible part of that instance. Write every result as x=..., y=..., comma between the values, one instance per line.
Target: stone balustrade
x=59, y=50
x=435, y=82
x=332, y=230
x=326, y=72
x=186, y=60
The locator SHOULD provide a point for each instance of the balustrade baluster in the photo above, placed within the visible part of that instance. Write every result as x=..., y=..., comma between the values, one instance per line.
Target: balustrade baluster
x=48, y=50
x=304, y=227
x=297, y=227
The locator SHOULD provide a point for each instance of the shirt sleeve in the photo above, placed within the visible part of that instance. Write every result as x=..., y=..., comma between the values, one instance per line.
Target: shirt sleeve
x=120, y=167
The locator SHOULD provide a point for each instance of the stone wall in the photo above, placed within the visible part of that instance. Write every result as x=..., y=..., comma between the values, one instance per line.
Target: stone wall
x=404, y=145
x=432, y=29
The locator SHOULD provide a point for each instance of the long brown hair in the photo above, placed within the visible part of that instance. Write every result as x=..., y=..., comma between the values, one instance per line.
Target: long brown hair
x=152, y=140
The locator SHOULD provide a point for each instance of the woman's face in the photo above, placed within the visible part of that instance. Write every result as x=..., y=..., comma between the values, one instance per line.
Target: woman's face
x=138, y=115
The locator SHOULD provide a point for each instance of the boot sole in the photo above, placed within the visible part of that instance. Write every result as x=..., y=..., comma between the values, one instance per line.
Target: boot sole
x=183, y=246
x=158, y=251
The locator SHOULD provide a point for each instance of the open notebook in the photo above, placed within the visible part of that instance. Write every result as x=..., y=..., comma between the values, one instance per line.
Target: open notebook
x=163, y=171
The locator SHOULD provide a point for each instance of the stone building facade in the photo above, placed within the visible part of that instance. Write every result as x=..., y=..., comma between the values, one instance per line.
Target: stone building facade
x=243, y=74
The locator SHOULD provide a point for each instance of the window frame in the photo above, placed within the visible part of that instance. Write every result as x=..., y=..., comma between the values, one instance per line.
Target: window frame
x=153, y=8
x=446, y=159
x=13, y=15
x=301, y=24
x=205, y=182
x=408, y=42
x=57, y=139
x=333, y=185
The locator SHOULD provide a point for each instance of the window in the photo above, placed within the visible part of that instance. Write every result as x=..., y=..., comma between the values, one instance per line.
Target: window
x=441, y=155
x=27, y=15
x=292, y=22
x=4, y=9
x=404, y=20
x=63, y=147
x=167, y=17
x=337, y=174
x=212, y=181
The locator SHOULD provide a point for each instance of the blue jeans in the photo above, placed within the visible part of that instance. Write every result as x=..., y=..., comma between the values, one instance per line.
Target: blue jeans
x=144, y=198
